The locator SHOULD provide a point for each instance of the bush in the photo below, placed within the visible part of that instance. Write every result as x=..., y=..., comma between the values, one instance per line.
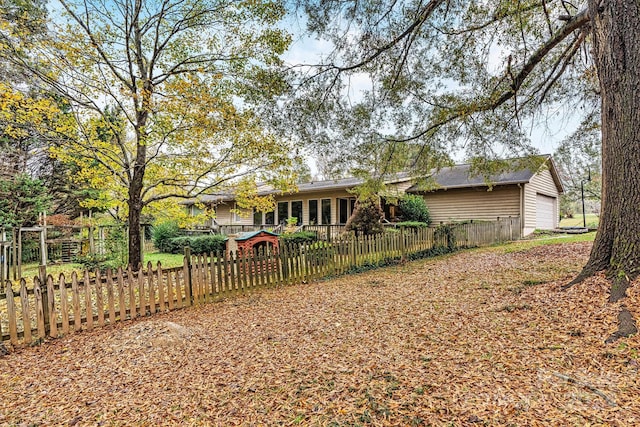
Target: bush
x=99, y=262
x=162, y=233
x=366, y=219
x=445, y=237
x=299, y=238
x=412, y=224
x=414, y=209
x=200, y=245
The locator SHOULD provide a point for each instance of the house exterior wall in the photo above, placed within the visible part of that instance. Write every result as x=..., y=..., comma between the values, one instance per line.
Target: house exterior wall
x=541, y=183
x=333, y=195
x=225, y=216
x=473, y=203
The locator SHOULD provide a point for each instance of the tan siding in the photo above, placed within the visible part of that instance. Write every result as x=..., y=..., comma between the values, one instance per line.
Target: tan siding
x=480, y=204
x=223, y=214
x=541, y=183
x=398, y=188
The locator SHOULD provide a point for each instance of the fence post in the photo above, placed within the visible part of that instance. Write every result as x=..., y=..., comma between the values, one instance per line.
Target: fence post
x=188, y=284
x=42, y=275
x=403, y=249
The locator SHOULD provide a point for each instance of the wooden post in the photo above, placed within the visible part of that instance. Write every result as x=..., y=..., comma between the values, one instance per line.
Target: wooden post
x=43, y=246
x=188, y=284
x=42, y=275
x=19, y=258
x=403, y=249
x=14, y=246
x=4, y=265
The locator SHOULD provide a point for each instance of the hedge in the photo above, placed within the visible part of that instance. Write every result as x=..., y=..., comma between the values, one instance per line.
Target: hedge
x=199, y=244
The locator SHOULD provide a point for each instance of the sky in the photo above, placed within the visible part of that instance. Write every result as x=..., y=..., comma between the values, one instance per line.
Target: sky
x=551, y=128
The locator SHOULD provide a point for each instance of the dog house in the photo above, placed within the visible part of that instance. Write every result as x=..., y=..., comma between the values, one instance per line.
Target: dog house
x=258, y=248
x=253, y=241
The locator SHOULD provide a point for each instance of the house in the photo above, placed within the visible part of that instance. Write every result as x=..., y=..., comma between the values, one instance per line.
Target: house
x=533, y=196
x=453, y=195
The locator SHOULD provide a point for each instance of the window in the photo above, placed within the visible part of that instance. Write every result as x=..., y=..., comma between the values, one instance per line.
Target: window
x=269, y=218
x=313, y=212
x=343, y=210
x=283, y=212
x=296, y=211
x=257, y=218
x=326, y=211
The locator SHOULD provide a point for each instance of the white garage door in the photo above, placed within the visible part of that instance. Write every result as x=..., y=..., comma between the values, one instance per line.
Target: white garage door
x=545, y=212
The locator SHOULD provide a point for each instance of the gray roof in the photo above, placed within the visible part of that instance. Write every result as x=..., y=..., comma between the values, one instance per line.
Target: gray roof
x=459, y=176
x=307, y=187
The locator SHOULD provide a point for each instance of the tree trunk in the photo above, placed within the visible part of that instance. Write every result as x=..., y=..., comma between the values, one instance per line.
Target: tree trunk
x=135, y=210
x=135, y=204
x=616, y=249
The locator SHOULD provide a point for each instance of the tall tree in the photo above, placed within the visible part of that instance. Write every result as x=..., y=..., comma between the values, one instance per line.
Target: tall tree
x=162, y=92
x=453, y=74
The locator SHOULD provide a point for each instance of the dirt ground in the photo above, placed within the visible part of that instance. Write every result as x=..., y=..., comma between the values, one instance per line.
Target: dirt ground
x=483, y=337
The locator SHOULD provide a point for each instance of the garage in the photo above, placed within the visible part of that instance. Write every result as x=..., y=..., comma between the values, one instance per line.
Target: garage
x=545, y=212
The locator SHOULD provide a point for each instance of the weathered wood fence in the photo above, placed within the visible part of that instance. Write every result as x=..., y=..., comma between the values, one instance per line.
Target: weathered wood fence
x=59, y=306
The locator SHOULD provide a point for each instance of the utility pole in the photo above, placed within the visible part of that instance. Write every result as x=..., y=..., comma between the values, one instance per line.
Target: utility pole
x=584, y=215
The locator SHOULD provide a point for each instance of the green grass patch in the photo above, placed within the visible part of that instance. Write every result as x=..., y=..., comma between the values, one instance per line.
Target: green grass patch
x=167, y=260
x=554, y=239
x=577, y=221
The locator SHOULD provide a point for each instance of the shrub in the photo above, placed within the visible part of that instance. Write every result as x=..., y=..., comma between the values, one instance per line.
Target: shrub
x=366, y=219
x=162, y=233
x=414, y=208
x=445, y=237
x=200, y=245
x=299, y=238
x=99, y=262
x=412, y=224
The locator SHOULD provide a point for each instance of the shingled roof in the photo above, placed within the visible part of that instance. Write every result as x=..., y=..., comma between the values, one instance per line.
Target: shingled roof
x=459, y=176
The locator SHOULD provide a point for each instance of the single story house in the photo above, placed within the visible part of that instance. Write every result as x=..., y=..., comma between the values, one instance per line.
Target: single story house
x=453, y=195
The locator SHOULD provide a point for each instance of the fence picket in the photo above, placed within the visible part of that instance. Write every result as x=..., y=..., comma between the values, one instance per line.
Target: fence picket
x=178, y=288
x=141, y=298
x=99, y=298
x=111, y=298
x=121, y=304
x=75, y=301
x=151, y=290
x=132, y=293
x=26, y=315
x=161, y=286
x=219, y=256
x=51, y=305
x=64, y=304
x=12, y=315
x=37, y=293
x=88, y=300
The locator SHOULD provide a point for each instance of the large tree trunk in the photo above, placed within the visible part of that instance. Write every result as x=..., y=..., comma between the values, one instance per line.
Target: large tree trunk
x=135, y=241
x=135, y=203
x=616, y=42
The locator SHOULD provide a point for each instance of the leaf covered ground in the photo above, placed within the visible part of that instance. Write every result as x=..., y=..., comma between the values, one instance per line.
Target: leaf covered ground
x=482, y=337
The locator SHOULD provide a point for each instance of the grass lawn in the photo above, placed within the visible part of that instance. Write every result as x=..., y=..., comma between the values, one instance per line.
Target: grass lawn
x=167, y=260
x=479, y=337
x=577, y=221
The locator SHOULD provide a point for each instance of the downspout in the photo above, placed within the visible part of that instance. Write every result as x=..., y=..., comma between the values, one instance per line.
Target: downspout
x=521, y=186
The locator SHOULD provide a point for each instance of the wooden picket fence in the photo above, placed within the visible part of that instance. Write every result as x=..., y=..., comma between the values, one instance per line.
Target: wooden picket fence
x=53, y=307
